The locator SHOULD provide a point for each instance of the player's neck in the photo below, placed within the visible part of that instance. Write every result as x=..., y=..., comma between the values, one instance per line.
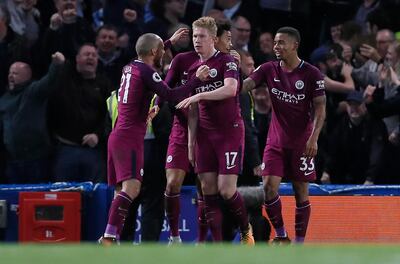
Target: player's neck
x=147, y=60
x=290, y=64
x=209, y=54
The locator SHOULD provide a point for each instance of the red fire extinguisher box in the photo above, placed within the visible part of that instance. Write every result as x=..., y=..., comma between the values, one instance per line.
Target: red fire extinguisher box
x=49, y=217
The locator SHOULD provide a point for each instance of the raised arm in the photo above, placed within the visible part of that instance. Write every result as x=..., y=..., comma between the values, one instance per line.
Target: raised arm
x=319, y=118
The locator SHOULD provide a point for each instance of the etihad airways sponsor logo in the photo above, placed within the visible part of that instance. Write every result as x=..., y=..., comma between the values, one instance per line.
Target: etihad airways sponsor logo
x=287, y=97
x=209, y=87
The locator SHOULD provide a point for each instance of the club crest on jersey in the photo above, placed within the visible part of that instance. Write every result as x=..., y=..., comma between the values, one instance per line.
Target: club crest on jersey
x=231, y=66
x=299, y=85
x=213, y=72
x=169, y=159
x=156, y=77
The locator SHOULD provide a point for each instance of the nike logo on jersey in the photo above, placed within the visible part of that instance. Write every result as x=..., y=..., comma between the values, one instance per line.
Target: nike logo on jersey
x=308, y=173
x=185, y=73
x=276, y=80
x=230, y=167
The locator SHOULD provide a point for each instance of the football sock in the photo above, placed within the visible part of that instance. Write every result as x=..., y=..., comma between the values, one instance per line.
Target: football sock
x=118, y=212
x=201, y=220
x=303, y=211
x=238, y=210
x=274, y=211
x=214, y=216
x=172, y=210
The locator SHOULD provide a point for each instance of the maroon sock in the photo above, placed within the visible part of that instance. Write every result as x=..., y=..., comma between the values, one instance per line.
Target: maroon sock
x=274, y=211
x=118, y=212
x=303, y=211
x=201, y=220
x=238, y=210
x=173, y=209
x=214, y=216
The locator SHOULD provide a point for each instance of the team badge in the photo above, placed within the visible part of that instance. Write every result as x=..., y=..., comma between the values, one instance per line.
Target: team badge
x=156, y=77
x=213, y=73
x=169, y=159
x=299, y=85
x=231, y=66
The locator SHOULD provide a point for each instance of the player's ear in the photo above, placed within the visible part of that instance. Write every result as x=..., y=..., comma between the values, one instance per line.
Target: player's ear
x=153, y=51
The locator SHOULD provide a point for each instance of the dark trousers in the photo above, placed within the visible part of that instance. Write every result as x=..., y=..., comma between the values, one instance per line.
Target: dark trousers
x=27, y=171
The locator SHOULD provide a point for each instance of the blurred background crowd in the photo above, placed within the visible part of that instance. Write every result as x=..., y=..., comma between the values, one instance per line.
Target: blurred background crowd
x=54, y=114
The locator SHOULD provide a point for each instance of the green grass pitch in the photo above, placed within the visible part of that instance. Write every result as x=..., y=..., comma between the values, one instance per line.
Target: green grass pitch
x=204, y=254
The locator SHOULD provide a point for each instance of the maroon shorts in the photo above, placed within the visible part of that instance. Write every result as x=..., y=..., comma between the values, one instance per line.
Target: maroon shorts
x=177, y=153
x=125, y=159
x=288, y=163
x=221, y=150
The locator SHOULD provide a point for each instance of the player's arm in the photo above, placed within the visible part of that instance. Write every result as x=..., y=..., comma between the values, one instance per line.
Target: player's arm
x=228, y=90
x=319, y=103
x=193, y=117
x=248, y=85
x=153, y=81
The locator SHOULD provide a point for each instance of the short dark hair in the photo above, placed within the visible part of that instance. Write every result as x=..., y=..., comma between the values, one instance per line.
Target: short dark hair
x=223, y=26
x=291, y=31
x=107, y=27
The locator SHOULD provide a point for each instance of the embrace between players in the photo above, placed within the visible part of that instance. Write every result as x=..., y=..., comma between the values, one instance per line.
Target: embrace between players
x=208, y=130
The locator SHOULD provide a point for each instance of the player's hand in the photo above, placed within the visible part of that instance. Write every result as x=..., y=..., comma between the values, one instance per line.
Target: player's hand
x=257, y=170
x=311, y=148
x=91, y=140
x=191, y=155
x=180, y=33
x=202, y=72
x=188, y=101
x=369, y=52
x=55, y=21
x=58, y=58
x=152, y=113
x=130, y=15
x=325, y=178
x=235, y=55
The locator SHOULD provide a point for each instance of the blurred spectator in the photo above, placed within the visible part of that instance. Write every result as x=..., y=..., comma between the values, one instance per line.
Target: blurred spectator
x=23, y=123
x=366, y=7
x=380, y=107
x=252, y=159
x=241, y=30
x=76, y=115
x=356, y=146
x=114, y=11
x=262, y=115
x=12, y=47
x=218, y=15
x=111, y=59
x=233, y=8
x=367, y=74
x=167, y=14
x=264, y=48
x=66, y=33
x=25, y=19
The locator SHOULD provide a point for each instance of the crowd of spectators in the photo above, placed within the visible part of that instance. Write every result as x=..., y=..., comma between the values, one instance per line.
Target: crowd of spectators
x=60, y=60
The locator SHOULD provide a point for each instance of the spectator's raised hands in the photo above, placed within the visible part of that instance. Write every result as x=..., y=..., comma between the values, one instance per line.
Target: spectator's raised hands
x=346, y=70
x=369, y=52
x=58, y=58
x=56, y=21
x=180, y=33
x=368, y=93
x=130, y=15
x=69, y=15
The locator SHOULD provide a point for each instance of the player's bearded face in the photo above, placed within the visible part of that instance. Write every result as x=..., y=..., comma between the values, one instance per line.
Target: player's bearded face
x=159, y=56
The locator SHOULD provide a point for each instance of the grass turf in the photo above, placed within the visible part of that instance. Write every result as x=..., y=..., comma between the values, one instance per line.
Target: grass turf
x=209, y=254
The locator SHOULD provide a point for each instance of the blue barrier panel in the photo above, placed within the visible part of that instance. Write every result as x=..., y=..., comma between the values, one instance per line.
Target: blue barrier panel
x=96, y=200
